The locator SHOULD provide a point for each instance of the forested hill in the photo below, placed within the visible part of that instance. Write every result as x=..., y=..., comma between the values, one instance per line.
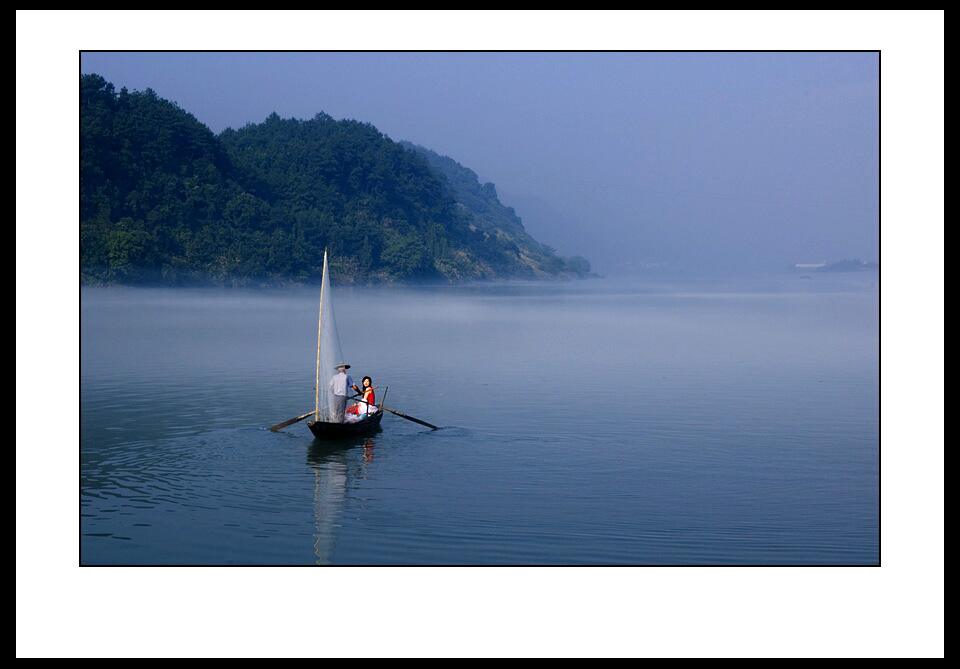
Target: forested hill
x=487, y=213
x=164, y=199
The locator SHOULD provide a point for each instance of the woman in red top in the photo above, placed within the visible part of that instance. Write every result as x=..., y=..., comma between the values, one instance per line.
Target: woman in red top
x=368, y=397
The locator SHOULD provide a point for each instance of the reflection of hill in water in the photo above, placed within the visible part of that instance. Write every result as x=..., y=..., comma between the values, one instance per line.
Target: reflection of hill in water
x=331, y=465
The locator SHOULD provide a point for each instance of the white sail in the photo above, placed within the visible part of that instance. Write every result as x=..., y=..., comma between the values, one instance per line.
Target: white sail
x=329, y=354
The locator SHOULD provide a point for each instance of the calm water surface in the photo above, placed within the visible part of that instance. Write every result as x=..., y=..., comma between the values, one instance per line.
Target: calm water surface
x=598, y=422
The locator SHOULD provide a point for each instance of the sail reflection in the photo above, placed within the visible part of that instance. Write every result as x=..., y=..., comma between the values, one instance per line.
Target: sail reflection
x=331, y=467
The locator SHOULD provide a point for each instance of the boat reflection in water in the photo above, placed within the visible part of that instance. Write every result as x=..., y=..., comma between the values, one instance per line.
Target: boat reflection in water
x=331, y=464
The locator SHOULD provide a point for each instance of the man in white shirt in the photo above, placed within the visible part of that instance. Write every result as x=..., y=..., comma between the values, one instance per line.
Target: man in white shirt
x=338, y=392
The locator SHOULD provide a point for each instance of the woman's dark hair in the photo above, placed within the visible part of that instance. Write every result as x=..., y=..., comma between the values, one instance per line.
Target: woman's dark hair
x=366, y=378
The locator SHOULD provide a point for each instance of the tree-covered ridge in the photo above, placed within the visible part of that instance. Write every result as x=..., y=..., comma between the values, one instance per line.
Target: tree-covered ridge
x=160, y=199
x=492, y=217
x=380, y=209
x=163, y=198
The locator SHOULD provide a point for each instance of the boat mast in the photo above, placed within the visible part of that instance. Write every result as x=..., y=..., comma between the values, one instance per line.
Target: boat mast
x=323, y=281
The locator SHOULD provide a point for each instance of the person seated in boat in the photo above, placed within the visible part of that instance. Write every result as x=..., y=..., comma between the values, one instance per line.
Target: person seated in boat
x=368, y=402
x=338, y=392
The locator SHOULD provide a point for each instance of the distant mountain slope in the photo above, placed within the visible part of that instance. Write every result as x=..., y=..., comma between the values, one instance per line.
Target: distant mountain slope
x=487, y=214
x=164, y=199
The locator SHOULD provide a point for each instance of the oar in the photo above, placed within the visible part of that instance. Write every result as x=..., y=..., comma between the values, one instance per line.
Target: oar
x=280, y=426
x=402, y=415
x=415, y=420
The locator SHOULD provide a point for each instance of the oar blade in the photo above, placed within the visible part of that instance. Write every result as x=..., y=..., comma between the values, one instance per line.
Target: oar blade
x=280, y=426
x=415, y=420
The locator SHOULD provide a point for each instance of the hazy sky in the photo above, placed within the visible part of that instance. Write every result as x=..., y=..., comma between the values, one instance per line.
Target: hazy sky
x=694, y=159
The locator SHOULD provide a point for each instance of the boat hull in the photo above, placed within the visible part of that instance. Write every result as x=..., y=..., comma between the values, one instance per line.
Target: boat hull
x=328, y=431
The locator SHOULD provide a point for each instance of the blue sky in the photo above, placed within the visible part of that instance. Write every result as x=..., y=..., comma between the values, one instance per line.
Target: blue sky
x=714, y=160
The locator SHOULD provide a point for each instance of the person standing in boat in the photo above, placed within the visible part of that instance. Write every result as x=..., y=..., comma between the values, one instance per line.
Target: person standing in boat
x=338, y=392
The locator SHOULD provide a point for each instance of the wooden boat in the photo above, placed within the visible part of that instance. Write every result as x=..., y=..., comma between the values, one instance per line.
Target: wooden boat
x=343, y=430
x=328, y=425
x=331, y=421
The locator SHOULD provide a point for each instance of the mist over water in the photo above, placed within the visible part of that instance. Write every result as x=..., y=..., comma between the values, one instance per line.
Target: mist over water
x=666, y=421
